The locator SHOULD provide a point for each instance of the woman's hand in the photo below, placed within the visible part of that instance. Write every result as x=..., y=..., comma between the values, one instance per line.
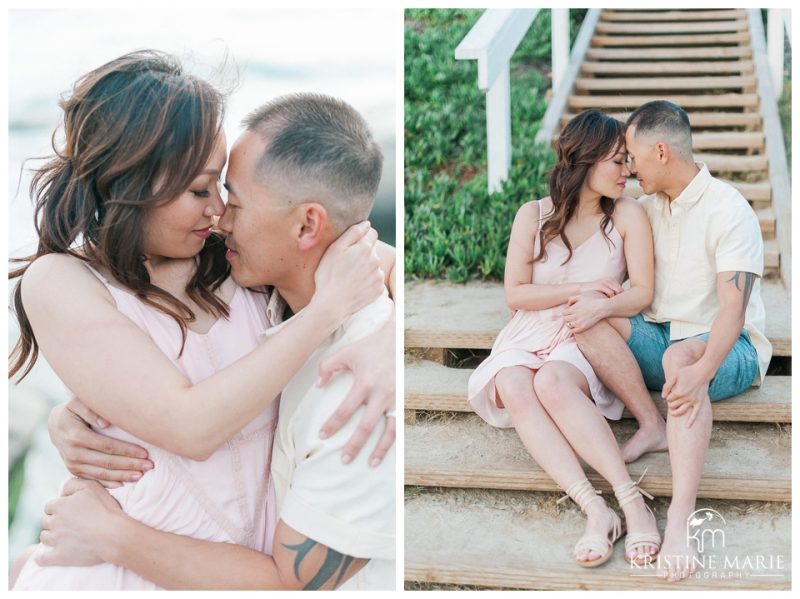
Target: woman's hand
x=87, y=454
x=608, y=287
x=372, y=362
x=349, y=276
x=74, y=525
x=585, y=310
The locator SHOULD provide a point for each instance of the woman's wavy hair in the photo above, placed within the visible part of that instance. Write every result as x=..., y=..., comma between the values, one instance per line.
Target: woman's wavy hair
x=586, y=140
x=136, y=132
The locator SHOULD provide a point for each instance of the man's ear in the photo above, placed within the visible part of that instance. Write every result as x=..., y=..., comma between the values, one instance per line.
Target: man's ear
x=314, y=223
x=663, y=151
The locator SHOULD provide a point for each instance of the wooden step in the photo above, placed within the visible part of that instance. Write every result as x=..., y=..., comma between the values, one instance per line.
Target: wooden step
x=731, y=163
x=699, y=119
x=632, y=102
x=663, y=68
x=665, y=83
x=766, y=220
x=672, y=15
x=706, y=39
x=728, y=140
x=660, y=54
x=682, y=27
x=432, y=386
x=771, y=254
x=507, y=539
x=469, y=316
x=744, y=461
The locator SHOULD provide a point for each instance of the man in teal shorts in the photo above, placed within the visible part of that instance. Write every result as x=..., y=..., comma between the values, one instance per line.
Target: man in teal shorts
x=702, y=339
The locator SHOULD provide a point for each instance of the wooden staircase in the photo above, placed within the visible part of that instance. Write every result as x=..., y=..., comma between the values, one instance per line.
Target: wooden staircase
x=479, y=511
x=703, y=61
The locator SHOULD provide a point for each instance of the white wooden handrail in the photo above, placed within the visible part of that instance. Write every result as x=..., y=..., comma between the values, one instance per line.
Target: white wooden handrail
x=492, y=42
x=552, y=118
x=778, y=22
x=776, y=151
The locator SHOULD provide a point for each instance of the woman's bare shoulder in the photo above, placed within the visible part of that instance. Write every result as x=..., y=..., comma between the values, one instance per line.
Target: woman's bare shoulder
x=534, y=208
x=52, y=275
x=628, y=205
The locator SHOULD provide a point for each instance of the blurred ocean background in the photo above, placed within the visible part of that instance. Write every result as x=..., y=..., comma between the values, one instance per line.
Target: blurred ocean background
x=349, y=54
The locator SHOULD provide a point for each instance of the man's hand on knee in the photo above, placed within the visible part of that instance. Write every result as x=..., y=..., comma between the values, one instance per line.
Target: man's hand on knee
x=685, y=390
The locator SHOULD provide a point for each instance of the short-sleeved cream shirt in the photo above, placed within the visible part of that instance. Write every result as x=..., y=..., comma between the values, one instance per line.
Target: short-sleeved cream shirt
x=709, y=228
x=347, y=507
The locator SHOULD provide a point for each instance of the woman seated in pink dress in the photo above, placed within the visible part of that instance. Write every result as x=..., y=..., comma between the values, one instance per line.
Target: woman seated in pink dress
x=129, y=297
x=567, y=257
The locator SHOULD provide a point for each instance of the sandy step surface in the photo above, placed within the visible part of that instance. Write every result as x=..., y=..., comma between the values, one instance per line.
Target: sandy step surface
x=470, y=316
x=432, y=386
x=523, y=540
x=744, y=461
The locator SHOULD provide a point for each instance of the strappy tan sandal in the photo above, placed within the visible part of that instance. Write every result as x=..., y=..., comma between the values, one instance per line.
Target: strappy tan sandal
x=626, y=493
x=583, y=493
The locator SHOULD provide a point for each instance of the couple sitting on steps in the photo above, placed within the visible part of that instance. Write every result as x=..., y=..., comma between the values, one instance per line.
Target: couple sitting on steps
x=580, y=348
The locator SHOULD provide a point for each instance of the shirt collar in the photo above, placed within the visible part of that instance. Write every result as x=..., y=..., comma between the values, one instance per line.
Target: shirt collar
x=276, y=308
x=692, y=192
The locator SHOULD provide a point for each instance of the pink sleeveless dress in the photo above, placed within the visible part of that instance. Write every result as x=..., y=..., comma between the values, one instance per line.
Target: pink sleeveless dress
x=533, y=338
x=228, y=498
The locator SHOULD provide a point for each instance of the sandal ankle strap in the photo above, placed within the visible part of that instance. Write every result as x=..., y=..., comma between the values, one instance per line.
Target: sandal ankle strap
x=582, y=492
x=630, y=491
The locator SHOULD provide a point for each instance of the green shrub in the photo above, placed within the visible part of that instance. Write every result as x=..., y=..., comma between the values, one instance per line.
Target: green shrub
x=453, y=228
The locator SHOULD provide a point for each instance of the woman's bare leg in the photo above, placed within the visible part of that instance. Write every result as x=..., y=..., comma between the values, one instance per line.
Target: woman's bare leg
x=544, y=441
x=563, y=391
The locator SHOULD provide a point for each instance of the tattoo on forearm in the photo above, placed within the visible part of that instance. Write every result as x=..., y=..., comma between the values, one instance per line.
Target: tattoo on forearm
x=334, y=561
x=746, y=288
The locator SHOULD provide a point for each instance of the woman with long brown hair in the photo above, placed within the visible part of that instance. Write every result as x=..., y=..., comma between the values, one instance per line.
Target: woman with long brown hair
x=129, y=298
x=567, y=257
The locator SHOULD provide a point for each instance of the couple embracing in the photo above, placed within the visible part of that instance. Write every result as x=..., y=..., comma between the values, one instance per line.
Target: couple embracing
x=177, y=320
x=580, y=347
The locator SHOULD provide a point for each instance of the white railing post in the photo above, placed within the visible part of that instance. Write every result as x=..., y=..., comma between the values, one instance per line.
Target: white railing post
x=775, y=38
x=559, y=31
x=492, y=41
x=498, y=130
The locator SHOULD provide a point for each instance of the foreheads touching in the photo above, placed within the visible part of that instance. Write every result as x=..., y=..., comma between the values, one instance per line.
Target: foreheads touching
x=661, y=122
x=318, y=149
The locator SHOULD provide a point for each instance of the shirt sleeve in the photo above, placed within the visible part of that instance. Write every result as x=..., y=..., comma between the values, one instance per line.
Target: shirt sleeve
x=740, y=246
x=347, y=507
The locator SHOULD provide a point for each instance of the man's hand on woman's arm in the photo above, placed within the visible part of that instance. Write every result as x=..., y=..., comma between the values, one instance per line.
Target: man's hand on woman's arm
x=88, y=454
x=372, y=361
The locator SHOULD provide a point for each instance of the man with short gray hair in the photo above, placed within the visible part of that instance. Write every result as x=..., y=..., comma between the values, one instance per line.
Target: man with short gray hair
x=702, y=339
x=305, y=169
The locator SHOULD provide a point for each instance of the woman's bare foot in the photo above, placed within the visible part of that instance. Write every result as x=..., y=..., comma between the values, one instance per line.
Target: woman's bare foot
x=598, y=522
x=641, y=520
x=678, y=559
x=645, y=440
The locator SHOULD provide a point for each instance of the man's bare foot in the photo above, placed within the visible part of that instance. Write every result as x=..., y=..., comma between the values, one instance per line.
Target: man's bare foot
x=677, y=559
x=645, y=440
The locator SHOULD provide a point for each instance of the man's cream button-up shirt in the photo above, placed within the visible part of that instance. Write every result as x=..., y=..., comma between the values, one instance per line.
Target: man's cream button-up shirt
x=347, y=507
x=707, y=229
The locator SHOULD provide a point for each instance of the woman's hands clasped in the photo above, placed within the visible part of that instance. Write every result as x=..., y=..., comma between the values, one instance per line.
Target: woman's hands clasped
x=590, y=306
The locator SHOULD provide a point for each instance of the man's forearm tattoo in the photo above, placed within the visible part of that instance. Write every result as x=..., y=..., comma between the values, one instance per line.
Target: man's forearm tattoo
x=746, y=286
x=334, y=561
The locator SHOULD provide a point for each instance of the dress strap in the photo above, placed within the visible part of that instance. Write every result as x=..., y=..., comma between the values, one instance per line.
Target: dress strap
x=96, y=273
x=544, y=212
